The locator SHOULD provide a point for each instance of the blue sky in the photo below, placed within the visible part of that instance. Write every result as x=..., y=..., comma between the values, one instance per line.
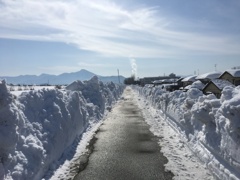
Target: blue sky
x=162, y=36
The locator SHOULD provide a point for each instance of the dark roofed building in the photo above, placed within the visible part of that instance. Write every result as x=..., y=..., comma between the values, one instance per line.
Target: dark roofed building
x=188, y=80
x=232, y=76
x=216, y=86
x=150, y=80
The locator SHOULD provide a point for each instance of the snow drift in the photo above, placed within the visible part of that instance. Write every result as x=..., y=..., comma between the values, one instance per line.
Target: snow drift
x=209, y=126
x=38, y=126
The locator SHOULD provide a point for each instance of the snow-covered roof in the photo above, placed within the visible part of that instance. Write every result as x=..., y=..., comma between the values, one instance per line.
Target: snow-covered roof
x=189, y=78
x=167, y=80
x=164, y=81
x=210, y=75
x=197, y=84
x=167, y=85
x=157, y=81
x=221, y=83
x=234, y=72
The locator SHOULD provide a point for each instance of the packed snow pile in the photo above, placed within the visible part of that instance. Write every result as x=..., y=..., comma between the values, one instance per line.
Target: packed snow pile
x=197, y=84
x=38, y=126
x=209, y=126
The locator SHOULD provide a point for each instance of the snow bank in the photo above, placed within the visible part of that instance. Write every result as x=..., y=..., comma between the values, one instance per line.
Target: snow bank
x=38, y=126
x=209, y=126
x=197, y=84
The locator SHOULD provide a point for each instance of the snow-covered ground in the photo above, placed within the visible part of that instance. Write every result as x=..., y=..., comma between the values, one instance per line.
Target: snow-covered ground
x=43, y=132
x=40, y=129
x=182, y=162
x=208, y=126
x=18, y=90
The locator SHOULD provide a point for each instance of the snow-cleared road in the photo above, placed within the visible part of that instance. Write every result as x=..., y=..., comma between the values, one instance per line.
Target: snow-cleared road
x=125, y=148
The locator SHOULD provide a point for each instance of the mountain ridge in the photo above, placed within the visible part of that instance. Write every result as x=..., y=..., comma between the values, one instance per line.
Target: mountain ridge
x=64, y=78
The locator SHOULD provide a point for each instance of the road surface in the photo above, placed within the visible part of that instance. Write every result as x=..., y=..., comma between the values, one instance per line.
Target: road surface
x=125, y=148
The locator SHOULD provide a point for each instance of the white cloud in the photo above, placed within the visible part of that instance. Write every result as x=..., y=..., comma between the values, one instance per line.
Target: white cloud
x=106, y=28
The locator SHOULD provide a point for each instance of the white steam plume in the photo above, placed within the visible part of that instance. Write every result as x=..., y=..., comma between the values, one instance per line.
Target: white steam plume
x=134, y=67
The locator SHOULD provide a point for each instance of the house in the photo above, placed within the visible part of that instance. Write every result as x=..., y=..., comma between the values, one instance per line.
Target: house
x=157, y=82
x=179, y=82
x=172, y=87
x=207, y=77
x=216, y=86
x=188, y=80
x=164, y=81
x=169, y=84
x=232, y=76
x=150, y=80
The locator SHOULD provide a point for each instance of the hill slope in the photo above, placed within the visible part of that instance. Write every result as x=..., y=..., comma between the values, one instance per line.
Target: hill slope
x=64, y=78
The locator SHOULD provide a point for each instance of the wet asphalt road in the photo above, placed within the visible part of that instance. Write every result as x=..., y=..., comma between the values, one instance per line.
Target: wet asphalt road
x=125, y=148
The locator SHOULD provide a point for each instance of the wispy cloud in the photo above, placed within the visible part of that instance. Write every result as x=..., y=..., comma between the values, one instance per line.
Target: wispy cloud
x=107, y=28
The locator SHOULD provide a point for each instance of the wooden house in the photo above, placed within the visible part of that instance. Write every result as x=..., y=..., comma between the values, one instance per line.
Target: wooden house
x=188, y=80
x=216, y=86
x=232, y=76
x=179, y=82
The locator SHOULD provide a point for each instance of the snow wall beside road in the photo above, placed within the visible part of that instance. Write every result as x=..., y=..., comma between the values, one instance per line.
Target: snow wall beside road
x=210, y=126
x=38, y=126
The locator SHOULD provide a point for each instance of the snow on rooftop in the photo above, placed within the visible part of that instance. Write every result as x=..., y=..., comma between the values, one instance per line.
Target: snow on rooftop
x=189, y=78
x=234, y=72
x=164, y=81
x=167, y=80
x=221, y=83
x=157, y=81
x=210, y=75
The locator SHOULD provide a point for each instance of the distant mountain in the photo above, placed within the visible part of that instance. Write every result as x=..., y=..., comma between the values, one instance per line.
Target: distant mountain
x=65, y=78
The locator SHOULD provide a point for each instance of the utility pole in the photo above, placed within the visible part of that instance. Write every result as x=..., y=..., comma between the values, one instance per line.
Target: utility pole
x=118, y=76
x=215, y=65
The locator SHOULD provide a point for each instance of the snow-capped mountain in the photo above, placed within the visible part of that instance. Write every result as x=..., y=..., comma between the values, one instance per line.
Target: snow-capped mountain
x=64, y=78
